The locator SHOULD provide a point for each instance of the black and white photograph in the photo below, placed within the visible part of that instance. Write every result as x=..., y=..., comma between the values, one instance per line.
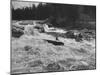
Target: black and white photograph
x=52, y=37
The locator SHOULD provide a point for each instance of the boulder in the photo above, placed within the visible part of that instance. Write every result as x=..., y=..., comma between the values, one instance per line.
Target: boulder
x=53, y=67
x=17, y=32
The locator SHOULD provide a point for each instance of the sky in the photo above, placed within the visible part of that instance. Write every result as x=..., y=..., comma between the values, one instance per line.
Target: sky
x=21, y=4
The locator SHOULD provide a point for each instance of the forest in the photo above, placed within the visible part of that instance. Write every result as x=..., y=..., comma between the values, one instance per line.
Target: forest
x=60, y=15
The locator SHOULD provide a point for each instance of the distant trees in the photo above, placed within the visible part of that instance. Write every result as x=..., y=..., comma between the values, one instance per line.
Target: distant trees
x=31, y=13
x=27, y=13
x=60, y=15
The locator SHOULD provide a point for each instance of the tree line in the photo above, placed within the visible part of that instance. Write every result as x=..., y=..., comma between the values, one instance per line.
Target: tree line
x=59, y=14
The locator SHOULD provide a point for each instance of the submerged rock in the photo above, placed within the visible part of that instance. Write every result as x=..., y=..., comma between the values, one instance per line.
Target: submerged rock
x=27, y=48
x=35, y=63
x=53, y=67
